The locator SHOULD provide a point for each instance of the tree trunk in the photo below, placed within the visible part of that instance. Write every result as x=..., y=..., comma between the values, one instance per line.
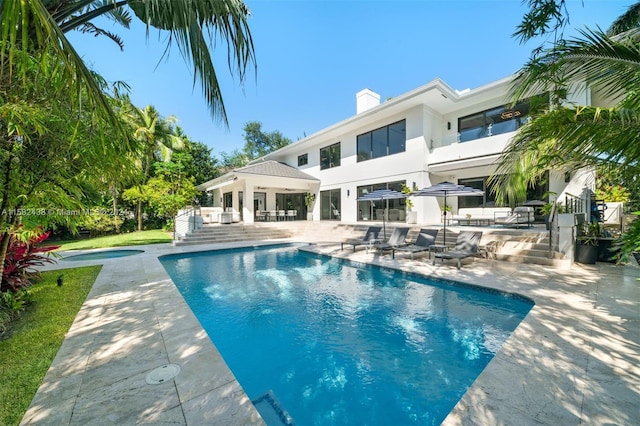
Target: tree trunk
x=4, y=245
x=114, y=193
x=139, y=215
x=5, y=216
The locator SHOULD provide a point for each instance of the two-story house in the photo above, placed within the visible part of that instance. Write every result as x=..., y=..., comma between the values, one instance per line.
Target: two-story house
x=428, y=135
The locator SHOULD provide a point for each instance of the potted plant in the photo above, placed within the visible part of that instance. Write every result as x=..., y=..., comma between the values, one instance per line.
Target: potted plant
x=587, y=242
x=446, y=211
x=411, y=216
x=309, y=200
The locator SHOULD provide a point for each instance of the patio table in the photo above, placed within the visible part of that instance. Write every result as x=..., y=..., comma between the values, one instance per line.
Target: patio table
x=437, y=248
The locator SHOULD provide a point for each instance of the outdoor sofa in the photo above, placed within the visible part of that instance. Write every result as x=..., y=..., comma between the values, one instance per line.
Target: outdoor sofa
x=478, y=215
x=520, y=216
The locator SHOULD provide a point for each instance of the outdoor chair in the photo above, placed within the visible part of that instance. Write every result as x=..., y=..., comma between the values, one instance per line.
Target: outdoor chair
x=467, y=245
x=426, y=238
x=369, y=236
x=397, y=239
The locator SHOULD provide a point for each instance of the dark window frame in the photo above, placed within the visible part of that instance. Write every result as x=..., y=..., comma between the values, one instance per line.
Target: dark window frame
x=303, y=159
x=332, y=211
x=333, y=154
x=493, y=121
x=367, y=210
x=365, y=149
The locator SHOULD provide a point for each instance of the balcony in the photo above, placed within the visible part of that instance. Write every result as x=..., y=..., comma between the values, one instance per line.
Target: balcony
x=492, y=129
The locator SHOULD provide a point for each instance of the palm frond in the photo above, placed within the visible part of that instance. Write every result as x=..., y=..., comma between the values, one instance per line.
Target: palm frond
x=89, y=28
x=627, y=21
x=28, y=26
x=612, y=65
x=568, y=138
x=89, y=12
x=195, y=27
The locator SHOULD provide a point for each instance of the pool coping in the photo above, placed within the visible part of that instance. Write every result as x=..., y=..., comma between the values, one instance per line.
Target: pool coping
x=573, y=359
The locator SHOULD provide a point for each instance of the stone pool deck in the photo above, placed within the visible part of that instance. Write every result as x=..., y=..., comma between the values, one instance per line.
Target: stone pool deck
x=575, y=359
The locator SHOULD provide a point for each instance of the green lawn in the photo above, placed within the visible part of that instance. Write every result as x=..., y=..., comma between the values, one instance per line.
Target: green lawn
x=152, y=236
x=36, y=335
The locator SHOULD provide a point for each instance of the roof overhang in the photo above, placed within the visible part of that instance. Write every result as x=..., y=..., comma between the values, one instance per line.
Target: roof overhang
x=268, y=174
x=454, y=165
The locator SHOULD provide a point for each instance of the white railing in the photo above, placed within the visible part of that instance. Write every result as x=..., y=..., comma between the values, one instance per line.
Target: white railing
x=187, y=220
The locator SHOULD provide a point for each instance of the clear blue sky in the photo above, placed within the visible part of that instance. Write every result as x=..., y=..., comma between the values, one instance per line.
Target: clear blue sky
x=314, y=56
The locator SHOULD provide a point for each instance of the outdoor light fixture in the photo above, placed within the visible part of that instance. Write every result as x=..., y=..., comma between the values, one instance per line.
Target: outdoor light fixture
x=448, y=125
x=347, y=192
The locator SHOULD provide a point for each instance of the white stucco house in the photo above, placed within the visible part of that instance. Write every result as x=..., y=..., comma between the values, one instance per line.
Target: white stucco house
x=431, y=134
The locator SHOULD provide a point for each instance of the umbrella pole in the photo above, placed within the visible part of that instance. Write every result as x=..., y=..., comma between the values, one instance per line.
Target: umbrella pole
x=384, y=228
x=444, y=232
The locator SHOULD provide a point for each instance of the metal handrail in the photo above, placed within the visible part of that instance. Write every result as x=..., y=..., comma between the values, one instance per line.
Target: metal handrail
x=552, y=225
x=573, y=203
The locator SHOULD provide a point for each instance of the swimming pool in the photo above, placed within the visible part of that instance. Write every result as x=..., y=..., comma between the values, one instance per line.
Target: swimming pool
x=103, y=254
x=344, y=343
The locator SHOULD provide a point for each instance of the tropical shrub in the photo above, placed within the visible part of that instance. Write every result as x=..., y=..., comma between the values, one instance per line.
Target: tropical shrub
x=11, y=304
x=23, y=255
x=613, y=193
x=100, y=223
x=629, y=242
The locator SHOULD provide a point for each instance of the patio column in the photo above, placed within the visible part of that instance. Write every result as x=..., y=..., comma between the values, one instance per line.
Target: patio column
x=247, y=203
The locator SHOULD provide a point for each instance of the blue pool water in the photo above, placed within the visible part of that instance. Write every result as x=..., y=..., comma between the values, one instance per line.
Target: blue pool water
x=100, y=255
x=344, y=343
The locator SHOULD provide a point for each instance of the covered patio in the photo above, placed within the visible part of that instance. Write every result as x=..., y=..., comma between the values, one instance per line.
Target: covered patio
x=264, y=191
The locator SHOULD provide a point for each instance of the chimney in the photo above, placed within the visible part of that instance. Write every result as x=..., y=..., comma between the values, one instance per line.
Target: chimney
x=366, y=99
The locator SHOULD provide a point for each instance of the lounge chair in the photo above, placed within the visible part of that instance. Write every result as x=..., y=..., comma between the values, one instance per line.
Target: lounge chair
x=426, y=238
x=467, y=245
x=368, y=238
x=397, y=239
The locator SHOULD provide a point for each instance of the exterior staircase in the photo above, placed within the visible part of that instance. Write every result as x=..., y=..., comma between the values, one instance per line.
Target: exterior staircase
x=510, y=245
x=523, y=247
x=216, y=233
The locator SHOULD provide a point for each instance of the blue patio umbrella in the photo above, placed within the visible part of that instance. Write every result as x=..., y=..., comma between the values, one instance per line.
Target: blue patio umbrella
x=444, y=189
x=381, y=195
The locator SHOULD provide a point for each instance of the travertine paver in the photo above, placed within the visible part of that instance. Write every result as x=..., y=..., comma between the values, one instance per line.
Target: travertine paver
x=575, y=359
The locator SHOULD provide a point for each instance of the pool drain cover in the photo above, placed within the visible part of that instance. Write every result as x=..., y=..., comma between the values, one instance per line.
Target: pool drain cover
x=162, y=374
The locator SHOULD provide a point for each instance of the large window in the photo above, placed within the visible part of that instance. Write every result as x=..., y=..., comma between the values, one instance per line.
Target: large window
x=330, y=204
x=391, y=210
x=330, y=156
x=381, y=142
x=536, y=192
x=476, y=201
x=493, y=121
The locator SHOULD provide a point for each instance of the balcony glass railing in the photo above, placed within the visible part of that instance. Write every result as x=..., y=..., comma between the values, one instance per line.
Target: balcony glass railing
x=492, y=129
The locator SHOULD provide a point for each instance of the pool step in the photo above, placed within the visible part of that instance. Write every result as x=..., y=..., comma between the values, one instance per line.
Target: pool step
x=271, y=410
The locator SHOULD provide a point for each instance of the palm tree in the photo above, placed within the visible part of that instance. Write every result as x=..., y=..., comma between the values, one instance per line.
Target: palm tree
x=32, y=33
x=156, y=140
x=585, y=134
x=567, y=137
x=194, y=26
x=48, y=151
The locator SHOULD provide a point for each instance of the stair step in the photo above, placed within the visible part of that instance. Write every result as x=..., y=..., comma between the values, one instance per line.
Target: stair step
x=560, y=263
